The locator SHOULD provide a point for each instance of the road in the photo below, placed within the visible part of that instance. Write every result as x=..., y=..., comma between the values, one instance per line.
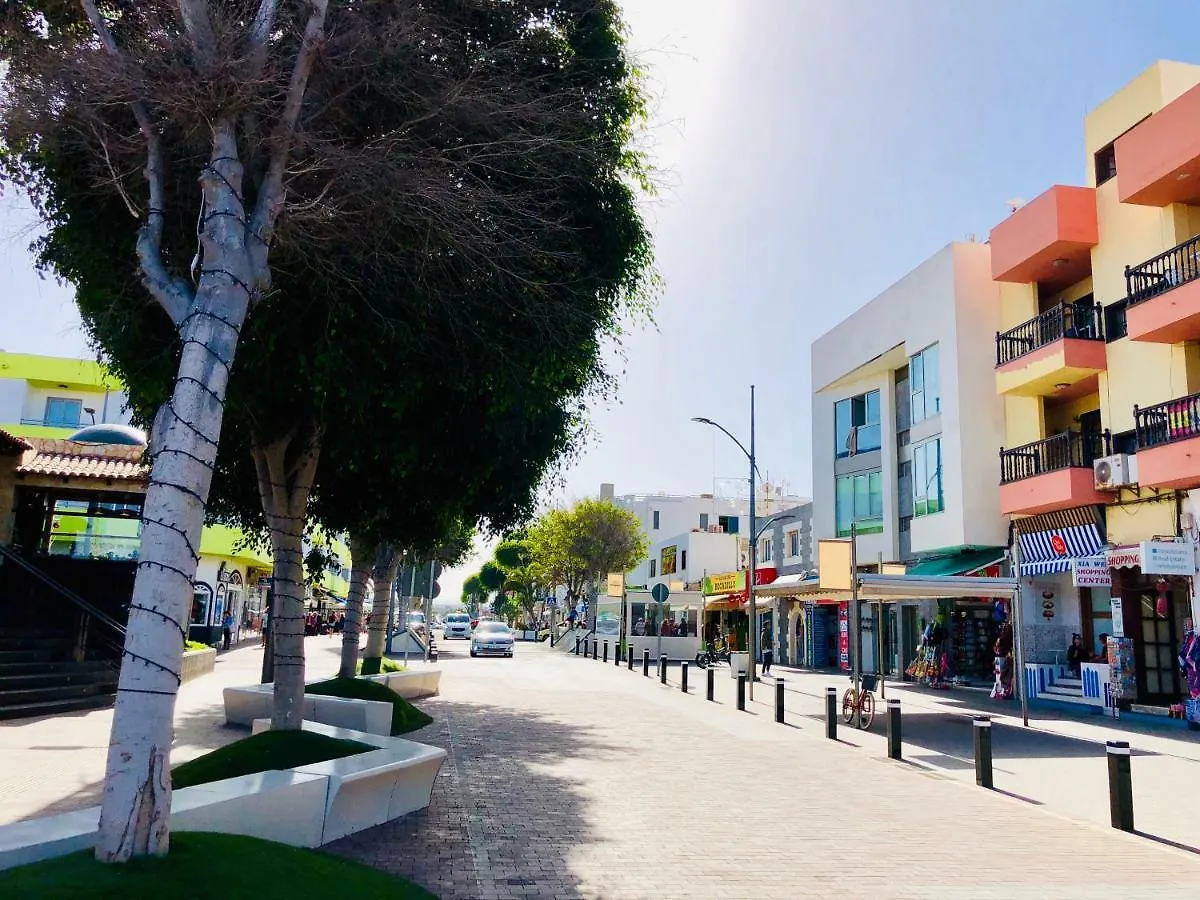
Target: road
x=571, y=778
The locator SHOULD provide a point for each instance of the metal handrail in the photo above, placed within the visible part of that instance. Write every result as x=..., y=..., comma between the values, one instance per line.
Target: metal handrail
x=1165, y=423
x=1067, y=320
x=1161, y=273
x=1068, y=450
x=95, y=612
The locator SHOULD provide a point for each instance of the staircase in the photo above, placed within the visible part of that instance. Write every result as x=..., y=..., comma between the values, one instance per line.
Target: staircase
x=1064, y=690
x=40, y=677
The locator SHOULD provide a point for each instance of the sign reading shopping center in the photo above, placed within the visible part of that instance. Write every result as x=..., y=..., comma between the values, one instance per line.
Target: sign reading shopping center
x=1155, y=557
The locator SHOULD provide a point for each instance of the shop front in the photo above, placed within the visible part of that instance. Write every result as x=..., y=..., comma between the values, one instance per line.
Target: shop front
x=672, y=628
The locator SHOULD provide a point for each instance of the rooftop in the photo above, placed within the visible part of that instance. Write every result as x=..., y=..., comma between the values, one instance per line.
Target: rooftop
x=70, y=459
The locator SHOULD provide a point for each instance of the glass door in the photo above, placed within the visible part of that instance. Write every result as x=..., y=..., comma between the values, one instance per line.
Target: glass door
x=1159, y=672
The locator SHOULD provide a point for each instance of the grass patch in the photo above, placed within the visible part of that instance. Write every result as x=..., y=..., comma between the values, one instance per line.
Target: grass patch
x=386, y=666
x=202, y=865
x=405, y=716
x=189, y=646
x=262, y=753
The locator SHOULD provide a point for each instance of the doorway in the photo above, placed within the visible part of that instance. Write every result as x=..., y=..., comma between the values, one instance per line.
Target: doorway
x=1159, y=646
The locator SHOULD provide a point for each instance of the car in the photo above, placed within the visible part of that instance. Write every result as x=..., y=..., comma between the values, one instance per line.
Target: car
x=492, y=639
x=416, y=621
x=458, y=625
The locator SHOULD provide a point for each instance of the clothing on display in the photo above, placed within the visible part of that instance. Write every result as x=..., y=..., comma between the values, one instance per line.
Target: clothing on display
x=1189, y=662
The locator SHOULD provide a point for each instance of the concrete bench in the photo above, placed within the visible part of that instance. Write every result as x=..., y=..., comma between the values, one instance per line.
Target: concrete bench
x=375, y=787
x=410, y=684
x=243, y=705
x=286, y=806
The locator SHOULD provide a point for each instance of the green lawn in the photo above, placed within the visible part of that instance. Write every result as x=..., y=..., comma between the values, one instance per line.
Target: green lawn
x=261, y=753
x=202, y=865
x=386, y=666
x=405, y=716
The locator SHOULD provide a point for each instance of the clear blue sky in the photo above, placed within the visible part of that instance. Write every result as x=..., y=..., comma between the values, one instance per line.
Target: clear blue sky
x=813, y=152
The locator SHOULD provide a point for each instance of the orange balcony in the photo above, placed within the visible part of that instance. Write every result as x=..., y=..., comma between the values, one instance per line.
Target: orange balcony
x=1048, y=240
x=1059, y=353
x=1164, y=296
x=1168, y=437
x=1048, y=475
x=1158, y=160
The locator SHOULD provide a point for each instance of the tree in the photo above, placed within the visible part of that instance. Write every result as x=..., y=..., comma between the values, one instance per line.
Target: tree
x=522, y=578
x=474, y=595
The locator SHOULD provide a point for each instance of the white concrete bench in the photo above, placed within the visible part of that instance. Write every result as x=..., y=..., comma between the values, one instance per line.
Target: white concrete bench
x=243, y=705
x=410, y=684
x=375, y=787
x=286, y=806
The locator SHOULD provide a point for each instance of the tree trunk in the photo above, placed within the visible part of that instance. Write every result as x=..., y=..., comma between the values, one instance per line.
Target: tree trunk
x=135, y=810
x=362, y=554
x=383, y=576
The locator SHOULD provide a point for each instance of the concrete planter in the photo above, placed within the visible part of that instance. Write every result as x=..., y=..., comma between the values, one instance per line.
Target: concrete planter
x=197, y=663
x=411, y=684
x=244, y=705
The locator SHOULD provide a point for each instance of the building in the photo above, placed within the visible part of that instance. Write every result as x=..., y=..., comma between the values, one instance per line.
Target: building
x=663, y=515
x=681, y=562
x=52, y=397
x=906, y=426
x=1098, y=364
x=788, y=549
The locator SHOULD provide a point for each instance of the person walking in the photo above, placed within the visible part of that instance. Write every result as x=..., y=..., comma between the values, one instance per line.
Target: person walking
x=226, y=629
x=768, y=649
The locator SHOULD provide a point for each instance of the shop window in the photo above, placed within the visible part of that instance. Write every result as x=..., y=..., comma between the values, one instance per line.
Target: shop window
x=728, y=524
x=927, y=478
x=651, y=620
x=62, y=412
x=86, y=528
x=924, y=387
x=856, y=424
x=858, y=500
x=202, y=597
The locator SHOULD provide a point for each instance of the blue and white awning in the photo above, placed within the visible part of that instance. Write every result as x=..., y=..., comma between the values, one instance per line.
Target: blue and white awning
x=1062, y=538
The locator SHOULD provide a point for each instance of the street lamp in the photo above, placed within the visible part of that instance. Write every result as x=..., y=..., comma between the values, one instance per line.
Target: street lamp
x=753, y=641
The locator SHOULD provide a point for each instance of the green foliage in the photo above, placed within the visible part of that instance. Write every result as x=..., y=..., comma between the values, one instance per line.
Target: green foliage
x=491, y=576
x=405, y=716
x=580, y=546
x=192, y=646
x=247, y=868
x=386, y=666
x=261, y=753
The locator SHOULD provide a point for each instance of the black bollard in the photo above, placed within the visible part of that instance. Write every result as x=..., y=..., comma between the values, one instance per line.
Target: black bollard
x=646, y=663
x=662, y=668
x=683, y=670
x=893, y=729
x=741, y=692
x=576, y=646
x=1120, y=785
x=831, y=713
x=983, y=751
x=595, y=648
x=617, y=654
x=711, y=686
x=629, y=657
x=606, y=651
x=779, y=700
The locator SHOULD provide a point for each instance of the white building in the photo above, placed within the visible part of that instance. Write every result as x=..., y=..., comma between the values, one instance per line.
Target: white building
x=682, y=561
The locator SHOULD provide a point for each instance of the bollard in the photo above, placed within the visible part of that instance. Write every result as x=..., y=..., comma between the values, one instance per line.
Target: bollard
x=595, y=647
x=710, y=689
x=893, y=729
x=683, y=670
x=646, y=663
x=1120, y=785
x=983, y=751
x=741, y=692
x=576, y=646
x=617, y=654
x=831, y=713
x=779, y=700
x=629, y=657
x=662, y=668
x=606, y=651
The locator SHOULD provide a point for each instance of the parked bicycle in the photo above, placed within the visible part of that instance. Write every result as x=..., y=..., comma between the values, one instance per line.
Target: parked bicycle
x=712, y=654
x=858, y=709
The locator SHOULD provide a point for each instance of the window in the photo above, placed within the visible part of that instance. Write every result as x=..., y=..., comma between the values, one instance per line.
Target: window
x=1115, y=326
x=927, y=478
x=682, y=560
x=1106, y=164
x=704, y=521
x=201, y=598
x=793, y=543
x=655, y=514
x=82, y=528
x=764, y=552
x=856, y=424
x=728, y=524
x=668, y=559
x=859, y=501
x=924, y=387
x=654, y=568
x=62, y=412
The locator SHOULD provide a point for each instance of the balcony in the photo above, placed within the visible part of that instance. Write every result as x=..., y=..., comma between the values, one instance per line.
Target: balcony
x=1059, y=353
x=1164, y=296
x=1051, y=474
x=1168, y=440
x=1048, y=240
x=1159, y=158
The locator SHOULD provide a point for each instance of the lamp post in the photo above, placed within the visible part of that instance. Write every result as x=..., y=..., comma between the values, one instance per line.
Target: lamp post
x=753, y=641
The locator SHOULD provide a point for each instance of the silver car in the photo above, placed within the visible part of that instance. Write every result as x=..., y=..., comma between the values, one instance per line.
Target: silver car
x=492, y=639
x=458, y=625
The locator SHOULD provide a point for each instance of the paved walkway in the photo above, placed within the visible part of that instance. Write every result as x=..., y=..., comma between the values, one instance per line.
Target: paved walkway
x=570, y=778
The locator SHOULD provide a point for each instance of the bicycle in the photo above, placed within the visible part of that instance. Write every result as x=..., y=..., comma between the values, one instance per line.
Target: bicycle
x=862, y=705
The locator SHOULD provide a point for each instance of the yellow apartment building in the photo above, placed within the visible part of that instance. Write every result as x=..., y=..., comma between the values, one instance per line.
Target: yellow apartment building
x=1098, y=362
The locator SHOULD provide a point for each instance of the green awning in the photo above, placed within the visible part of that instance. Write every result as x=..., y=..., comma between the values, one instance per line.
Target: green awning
x=965, y=562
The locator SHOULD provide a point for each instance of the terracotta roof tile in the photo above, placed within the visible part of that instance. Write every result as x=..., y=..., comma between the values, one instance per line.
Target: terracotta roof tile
x=68, y=459
x=11, y=444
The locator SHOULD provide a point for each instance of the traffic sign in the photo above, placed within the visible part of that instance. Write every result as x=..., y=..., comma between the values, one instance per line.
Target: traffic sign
x=660, y=592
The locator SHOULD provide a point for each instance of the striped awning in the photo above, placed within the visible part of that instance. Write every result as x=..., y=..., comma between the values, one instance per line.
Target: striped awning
x=1052, y=541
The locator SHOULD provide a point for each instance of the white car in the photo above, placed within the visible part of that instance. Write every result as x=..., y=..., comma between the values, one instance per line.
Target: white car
x=458, y=625
x=492, y=639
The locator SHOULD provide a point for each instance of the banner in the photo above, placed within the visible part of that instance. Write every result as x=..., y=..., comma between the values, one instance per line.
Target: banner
x=1091, y=572
x=725, y=583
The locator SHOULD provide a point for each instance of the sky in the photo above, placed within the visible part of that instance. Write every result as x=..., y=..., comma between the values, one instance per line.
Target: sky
x=810, y=154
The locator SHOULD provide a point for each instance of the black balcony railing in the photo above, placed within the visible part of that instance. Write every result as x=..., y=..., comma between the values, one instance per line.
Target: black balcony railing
x=1175, y=420
x=1067, y=320
x=1177, y=266
x=1069, y=450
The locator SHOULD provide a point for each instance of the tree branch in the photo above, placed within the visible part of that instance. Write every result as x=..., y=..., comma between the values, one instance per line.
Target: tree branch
x=198, y=27
x=172, y=294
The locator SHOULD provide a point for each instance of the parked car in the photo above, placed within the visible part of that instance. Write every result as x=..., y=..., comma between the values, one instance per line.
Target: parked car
x=492, y=639
x=458, y=625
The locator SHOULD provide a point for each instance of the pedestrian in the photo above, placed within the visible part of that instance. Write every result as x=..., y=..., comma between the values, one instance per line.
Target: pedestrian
x=1102, y=656
x=1075, y=655
x=768, y=649
x=226, y=629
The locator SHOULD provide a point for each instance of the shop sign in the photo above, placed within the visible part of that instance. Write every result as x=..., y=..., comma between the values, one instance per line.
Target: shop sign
x=1118, y=617
x=725, y=583
x=616, y=584
x=1091, y=572
x=844, y=636
x=1155, y=557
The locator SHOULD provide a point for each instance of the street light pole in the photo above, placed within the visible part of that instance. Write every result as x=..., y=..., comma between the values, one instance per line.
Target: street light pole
x=753, y=642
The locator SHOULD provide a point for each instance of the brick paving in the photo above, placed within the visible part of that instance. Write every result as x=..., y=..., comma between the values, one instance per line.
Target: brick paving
x=568, y=778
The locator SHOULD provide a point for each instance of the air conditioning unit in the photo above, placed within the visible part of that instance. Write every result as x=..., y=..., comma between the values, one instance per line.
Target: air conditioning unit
x=1116, y=471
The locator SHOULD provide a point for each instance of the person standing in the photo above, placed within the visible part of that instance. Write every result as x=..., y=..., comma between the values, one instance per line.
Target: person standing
x=226, y=629
x=768, y=649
